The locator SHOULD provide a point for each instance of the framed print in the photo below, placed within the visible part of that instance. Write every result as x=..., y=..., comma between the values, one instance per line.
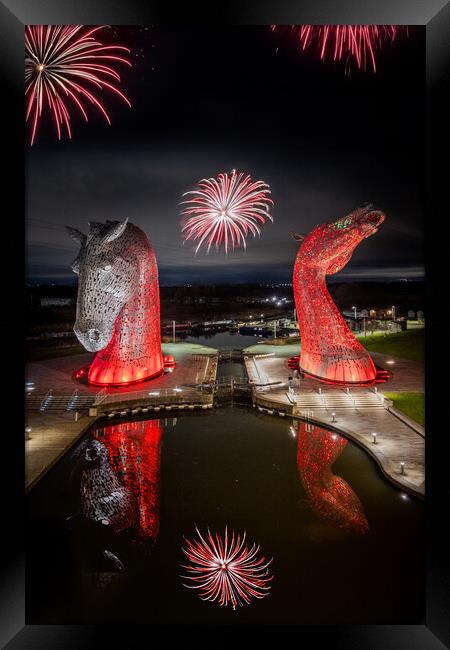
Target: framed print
x=232, y=420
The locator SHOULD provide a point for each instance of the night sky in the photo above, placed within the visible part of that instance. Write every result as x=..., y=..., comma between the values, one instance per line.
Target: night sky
x=207, y=100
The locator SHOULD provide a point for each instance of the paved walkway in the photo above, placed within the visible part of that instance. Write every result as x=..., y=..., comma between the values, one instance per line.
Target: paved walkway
x=53, y=432
x=56, y=374
x=396, y=441
x=407, y=375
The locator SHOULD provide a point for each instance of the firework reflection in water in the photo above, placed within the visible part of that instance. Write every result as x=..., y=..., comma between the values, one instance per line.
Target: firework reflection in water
x=226, y=571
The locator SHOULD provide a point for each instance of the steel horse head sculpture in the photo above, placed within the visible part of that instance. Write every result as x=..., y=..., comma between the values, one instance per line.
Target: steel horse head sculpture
x=329, y=350
x=118, y=303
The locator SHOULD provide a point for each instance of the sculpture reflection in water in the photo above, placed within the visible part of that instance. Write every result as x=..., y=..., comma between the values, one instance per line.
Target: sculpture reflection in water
x=121, y=476
x=331, y=498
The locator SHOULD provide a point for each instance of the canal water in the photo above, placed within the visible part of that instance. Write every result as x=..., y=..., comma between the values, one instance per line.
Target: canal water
x=106, y=526
x=221, y=340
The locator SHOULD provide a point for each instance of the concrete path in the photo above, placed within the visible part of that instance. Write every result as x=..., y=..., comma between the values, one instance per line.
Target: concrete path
x=396, y=441
x=56, y=374
x=53, y=432
x=407, y=376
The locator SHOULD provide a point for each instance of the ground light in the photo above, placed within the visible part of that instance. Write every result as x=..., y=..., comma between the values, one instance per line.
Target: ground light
x=374, y=438
x=402, y=467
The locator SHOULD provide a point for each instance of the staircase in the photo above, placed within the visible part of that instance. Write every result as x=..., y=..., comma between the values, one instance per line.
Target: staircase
x=51, y=402
x=338, y=400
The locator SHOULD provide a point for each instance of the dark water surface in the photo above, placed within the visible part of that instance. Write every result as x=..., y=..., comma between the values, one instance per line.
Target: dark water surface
x=222, y=340
x=347, y=547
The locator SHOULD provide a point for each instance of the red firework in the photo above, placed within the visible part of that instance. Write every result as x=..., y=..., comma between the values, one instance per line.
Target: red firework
x=226, y=570
x=225, y=210
x=357, y=43
x=64, y=65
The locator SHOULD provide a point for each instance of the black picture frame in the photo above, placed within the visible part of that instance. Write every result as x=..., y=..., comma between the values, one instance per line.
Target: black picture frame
x=14, y=14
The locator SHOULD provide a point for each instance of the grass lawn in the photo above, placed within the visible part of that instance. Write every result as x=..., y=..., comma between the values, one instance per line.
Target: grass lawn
x=407, y=345
x=411, y=404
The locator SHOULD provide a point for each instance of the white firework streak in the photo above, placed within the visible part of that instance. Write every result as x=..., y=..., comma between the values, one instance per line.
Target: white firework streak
x=58, y=61
x=226, y=571
x=226, y=209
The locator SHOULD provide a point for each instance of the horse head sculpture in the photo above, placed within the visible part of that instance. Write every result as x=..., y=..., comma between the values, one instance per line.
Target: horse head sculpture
x=118, y=303
x=329, y=350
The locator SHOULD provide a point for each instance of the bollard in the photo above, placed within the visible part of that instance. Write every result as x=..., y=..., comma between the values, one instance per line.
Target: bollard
x=402, y=467
x=333, y=415
x=76, y=416
x=374, y=438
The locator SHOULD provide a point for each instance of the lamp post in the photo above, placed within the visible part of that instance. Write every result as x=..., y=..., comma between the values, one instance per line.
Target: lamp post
x=173, y=326
x=354, y=309
x=393, y=312
x=275, y=329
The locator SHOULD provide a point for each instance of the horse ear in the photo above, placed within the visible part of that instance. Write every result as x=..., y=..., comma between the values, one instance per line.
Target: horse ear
x=115, y=230
x=297, y=236
x=96, y=228
x=77, y=235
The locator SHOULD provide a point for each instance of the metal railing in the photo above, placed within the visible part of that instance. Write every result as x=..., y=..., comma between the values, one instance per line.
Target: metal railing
x=46, y=401
x=156, y=396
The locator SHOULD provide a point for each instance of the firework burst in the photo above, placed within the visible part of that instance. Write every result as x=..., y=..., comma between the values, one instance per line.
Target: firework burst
x=225, y=210
x=352, y=43
x=225, y=570
x=64, y=67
